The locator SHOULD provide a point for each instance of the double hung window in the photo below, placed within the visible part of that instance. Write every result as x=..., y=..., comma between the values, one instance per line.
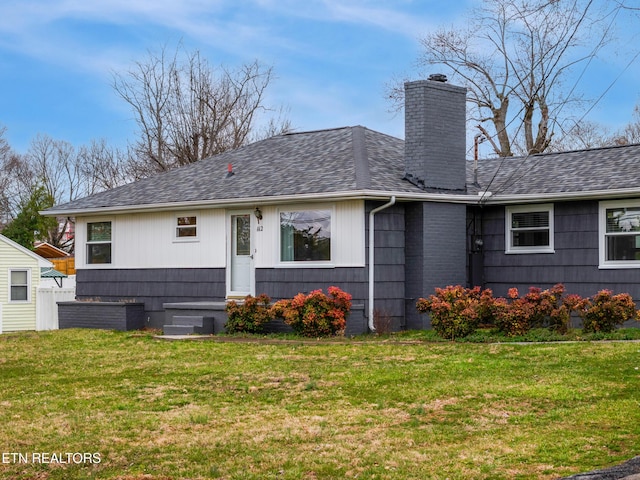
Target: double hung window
x=98, y=242
x=620, y=234
x=529, y=229
x=19, y=285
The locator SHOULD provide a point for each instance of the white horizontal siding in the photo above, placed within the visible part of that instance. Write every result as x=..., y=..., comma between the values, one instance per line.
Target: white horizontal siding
x=17, y=315
x=147, y=240
x=347, y=234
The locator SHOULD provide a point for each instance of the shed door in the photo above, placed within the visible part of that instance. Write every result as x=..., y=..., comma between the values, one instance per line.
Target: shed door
x=241, y=262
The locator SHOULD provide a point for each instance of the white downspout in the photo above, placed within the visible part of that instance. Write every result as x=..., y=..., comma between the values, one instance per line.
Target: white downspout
x=372, y=231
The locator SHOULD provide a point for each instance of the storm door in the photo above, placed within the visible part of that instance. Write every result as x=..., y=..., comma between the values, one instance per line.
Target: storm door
x=240, y=277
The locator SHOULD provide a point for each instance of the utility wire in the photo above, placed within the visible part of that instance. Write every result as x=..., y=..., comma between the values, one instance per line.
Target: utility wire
x=525, y=157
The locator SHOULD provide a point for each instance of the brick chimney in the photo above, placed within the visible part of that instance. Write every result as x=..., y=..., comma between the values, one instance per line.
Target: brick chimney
x=435, y=134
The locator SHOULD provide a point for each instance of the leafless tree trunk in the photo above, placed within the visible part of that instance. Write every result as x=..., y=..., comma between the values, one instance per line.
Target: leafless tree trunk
x=514, y=54
x=187, y=111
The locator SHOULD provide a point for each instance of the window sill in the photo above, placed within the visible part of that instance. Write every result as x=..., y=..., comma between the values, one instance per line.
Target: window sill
x=617, y=266
x=529, y=251
x=305, y=265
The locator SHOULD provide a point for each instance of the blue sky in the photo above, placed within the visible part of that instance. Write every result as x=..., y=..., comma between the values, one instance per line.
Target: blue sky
x=331, y=59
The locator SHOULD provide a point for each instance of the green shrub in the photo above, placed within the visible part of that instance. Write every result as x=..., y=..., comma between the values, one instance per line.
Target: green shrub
x=316, y=314
x=250, y=316
x=604, y=311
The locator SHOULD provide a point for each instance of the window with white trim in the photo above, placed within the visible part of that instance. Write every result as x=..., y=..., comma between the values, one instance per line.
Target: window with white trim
x=620, y=234
x=187, y=227
x=19, y=285
x=98, y=242
x=305, y=235
x=529, y=229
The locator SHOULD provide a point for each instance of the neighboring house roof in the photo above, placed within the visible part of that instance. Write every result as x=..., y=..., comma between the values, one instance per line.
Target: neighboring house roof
x=46, y=250
x=594, y=173
x=47, y=272
x=324, y=162
x=42, y=262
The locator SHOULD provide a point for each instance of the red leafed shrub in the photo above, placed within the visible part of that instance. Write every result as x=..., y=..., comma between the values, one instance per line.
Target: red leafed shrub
x=604, y=311
x=538, y=308
x=250, y=316
x=316, y=314
x=456, y=311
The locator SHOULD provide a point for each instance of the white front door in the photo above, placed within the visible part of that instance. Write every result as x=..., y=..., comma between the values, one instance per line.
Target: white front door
x=240, y=276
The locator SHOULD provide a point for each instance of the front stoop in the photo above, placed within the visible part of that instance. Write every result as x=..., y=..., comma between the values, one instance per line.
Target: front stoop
x=189, y=318
x=188, y=325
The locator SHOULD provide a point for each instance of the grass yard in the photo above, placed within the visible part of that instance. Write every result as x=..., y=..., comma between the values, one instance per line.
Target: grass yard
x=149, y=409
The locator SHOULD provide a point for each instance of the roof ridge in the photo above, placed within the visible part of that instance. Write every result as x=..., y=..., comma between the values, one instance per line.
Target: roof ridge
x=360, y=157
x=319, y=130
x=562, y=152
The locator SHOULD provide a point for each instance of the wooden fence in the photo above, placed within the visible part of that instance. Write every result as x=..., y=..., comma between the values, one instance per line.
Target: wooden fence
x=66, y=265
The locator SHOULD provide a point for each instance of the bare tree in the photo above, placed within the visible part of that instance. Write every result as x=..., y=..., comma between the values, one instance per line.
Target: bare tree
x=513, y=57
x=9, y=165
x=631, y=132
x=56, y=167
x=186, y=110
x=103, y=167
x=582, y=135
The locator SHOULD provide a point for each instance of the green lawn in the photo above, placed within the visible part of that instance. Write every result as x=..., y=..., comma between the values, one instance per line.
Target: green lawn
x=149, y=409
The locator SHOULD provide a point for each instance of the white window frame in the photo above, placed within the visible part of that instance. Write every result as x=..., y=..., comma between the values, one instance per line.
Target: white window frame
x=602, y=234
x=301, y=263
x=177, y=227
x=28, y=285
x=510, y=210
x=88, y=243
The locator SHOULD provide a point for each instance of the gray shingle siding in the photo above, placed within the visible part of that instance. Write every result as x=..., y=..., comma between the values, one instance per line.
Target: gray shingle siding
x=152, y=286
x=389, y=272
x=574, y=263
x=389, y=261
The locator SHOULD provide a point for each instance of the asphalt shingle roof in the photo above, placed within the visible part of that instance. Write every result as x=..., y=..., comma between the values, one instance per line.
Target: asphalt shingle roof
x=595, y=170
x=348, y=159
x=325, y=161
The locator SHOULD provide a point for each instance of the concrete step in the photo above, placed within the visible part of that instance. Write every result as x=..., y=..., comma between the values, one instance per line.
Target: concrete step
x=197, y=323
x=178, y=329
x=195, y=320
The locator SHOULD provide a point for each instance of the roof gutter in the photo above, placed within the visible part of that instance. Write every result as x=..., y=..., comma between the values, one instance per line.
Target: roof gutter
x=372, y=231
x=481, y=197
x=497, y=199
x=270, y=200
